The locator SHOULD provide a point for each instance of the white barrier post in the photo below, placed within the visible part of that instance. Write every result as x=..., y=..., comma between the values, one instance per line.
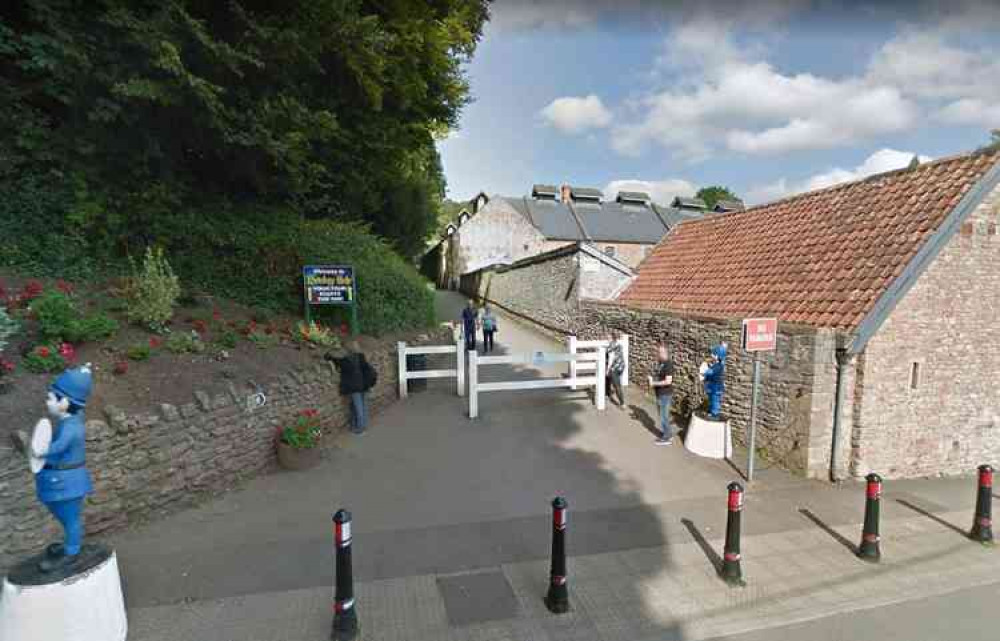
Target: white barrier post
x=473, y=380
x=460, y=366
x=625, y=357
x=401, y=347
x=602, y=355
x=572, y=363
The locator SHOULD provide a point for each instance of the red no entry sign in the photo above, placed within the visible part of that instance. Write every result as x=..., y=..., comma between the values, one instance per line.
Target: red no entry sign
x=760, y=334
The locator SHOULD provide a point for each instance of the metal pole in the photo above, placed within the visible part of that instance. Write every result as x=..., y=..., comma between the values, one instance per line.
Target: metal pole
x=753, y=416
x=557, y=600
x=345, y=615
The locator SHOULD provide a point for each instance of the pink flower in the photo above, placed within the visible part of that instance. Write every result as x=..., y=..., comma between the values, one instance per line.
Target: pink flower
x=67, y=352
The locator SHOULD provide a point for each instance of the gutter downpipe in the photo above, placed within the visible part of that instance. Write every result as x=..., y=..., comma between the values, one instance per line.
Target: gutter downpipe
x=842, y=358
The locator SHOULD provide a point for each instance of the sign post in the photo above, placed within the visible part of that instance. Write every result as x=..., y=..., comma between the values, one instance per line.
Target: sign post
x=759, y=335
x=331, y=285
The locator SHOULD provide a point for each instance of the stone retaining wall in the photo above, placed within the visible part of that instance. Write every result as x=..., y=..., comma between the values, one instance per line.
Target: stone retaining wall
x=149, y=464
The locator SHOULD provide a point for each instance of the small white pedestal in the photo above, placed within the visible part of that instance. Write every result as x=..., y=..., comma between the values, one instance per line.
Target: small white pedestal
x=85, y=606
x=710, y=438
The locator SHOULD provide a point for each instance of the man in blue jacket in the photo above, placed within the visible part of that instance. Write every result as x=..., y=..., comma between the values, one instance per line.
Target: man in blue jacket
x=715, y=383
x=63, y=482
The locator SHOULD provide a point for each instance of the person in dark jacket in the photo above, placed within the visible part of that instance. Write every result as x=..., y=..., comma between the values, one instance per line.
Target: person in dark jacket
x=357, y=376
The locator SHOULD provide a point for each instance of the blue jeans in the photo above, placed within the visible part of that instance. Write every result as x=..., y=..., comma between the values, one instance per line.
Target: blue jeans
x=359, y=416
x=666, y=429
x=69, y=514
x=715, y=403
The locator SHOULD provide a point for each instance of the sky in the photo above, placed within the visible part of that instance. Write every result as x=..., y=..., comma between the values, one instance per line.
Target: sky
x=768, y=98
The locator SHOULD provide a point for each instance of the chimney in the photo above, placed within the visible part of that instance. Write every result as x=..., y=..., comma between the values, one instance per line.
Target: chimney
x=564, y=193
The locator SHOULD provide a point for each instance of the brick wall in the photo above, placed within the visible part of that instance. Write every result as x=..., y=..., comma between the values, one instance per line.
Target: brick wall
x=788, y=401
x=947, y=324
x=148, y=464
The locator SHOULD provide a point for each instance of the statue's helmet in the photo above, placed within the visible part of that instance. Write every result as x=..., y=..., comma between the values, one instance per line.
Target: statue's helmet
x=75, y=384
x=719, y=351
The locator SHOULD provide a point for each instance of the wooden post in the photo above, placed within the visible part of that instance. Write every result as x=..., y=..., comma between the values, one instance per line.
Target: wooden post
x=401, y=348
x=602, y=355
x=460, y=365
x=572, y=363
x=473, y=380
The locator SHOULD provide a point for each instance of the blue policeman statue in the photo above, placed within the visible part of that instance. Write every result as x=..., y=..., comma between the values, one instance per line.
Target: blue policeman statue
x=715, y=374
x=63, y=482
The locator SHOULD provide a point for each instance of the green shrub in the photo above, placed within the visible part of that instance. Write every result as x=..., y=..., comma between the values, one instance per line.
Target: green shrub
x=44, y=359
x=8, y=328
x=58, y=320
x=263, y=340
x=138, y=352
x=92, y=328
x=316, y=334
x=154, y=291
x=184, y=342
x=227, y=338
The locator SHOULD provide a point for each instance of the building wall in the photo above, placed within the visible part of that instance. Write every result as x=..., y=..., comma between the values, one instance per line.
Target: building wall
x=949, y=324
x=788, y=400
x=150, y=463
x=548, y=290
x=629, y=253
x=496, y=230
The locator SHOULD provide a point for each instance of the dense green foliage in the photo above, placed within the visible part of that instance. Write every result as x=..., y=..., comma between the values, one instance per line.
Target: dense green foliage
x=153, y=291
x=60, y=320
x=117, y=115
x=714, y=194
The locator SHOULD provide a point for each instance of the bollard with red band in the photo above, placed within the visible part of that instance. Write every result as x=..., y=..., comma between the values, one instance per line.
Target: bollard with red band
x=345, y=615
x=731, y=569
x=870, y=550
x=982, y=524
x=557, y=600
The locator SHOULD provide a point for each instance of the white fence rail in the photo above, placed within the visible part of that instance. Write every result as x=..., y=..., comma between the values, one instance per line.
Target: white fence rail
x=597, y=359
x=577, y=346
x=458, y=373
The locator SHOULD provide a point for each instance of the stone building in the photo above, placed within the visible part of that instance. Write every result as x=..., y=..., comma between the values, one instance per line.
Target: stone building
x=887, y=295
x=503, y=230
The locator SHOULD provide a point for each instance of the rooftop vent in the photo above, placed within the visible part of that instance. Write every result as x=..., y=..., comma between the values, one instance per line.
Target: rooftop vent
x=544, y=192
x=450, y=229
x=727, y=205
x=681, y=202
x=463, y=216
x=633, y=197
x=585, y=194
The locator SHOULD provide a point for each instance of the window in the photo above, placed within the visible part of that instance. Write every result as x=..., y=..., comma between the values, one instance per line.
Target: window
x=609, y=251
x=915, y=376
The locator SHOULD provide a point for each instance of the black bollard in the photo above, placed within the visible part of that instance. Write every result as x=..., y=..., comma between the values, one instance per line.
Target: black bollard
x=731, y=570
x=557, y=600
x=869, y=550
x=982, y=523
x=345, y=615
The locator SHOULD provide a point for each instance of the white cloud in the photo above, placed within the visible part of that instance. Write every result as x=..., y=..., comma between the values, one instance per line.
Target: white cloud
x=575, y=115
x=661, y=191
x=881, y=161
x=972, y=111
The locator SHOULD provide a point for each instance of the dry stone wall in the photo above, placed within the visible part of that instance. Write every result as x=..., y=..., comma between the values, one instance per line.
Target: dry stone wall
x=144, y=465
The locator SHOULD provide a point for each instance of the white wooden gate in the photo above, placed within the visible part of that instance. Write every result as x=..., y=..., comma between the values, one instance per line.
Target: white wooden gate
x=597, y=358
x=577, y=346
x=458, y=372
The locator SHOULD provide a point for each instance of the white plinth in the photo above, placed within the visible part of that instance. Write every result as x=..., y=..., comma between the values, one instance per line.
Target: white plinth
x=709, y=438
x=84, y=607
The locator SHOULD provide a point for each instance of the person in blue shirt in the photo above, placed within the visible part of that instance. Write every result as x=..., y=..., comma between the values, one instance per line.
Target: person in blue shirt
x=63, y=483
x=715, y=374
x=470, y=321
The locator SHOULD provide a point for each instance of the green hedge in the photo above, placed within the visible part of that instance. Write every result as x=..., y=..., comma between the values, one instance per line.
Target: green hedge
x=253, y=255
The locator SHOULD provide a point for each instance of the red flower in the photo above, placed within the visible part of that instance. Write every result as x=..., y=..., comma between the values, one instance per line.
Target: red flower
x=344, y=329
x=64, y=287
x=216, y=314
x=200, y=326
x=6, y=367
x=121, y=367
x=67, y=352
x=44, y=352
x=154, y=342
x=32, y=290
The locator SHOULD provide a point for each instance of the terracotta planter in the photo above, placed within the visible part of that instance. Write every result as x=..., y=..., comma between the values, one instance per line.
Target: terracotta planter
x=293, y=458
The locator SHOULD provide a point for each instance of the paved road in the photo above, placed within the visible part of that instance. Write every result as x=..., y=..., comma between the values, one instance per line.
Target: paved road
x=434, y=494
x=969, y=615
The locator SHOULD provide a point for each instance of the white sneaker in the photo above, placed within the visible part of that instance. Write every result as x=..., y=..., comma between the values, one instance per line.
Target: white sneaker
x=664, y=441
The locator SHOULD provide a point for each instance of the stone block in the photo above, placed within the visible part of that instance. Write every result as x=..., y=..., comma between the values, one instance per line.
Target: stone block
x=169, y=412
x=204, y=401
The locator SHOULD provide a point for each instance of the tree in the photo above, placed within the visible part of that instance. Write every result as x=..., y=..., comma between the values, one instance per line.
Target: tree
x=994, y=139
x=715, y=193
x=138, y=109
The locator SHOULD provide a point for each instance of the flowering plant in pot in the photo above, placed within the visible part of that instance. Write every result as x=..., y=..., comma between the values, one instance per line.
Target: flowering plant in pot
x=298, y=441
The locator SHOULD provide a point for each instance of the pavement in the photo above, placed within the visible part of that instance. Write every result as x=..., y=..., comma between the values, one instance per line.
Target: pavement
x=452, y=528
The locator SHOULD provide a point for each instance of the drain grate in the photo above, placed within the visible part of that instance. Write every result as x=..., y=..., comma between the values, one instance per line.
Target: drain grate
x=477, y=598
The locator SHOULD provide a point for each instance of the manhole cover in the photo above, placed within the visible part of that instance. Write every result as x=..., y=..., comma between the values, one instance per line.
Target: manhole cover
x=476, y=598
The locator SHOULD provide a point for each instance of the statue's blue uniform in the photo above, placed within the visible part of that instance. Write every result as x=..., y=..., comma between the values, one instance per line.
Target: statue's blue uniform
x=64, y=482
x=715, y=383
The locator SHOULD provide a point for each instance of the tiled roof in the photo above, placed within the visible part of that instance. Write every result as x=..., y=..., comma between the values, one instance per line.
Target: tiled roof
x=821, y=258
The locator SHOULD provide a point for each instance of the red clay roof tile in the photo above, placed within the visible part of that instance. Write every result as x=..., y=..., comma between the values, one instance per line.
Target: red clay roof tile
x=821, y=258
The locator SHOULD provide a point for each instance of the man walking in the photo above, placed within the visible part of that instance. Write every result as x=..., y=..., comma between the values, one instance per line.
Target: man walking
x=489, y=328
x=615, y=369
x=663, y=383
x=470, y=319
